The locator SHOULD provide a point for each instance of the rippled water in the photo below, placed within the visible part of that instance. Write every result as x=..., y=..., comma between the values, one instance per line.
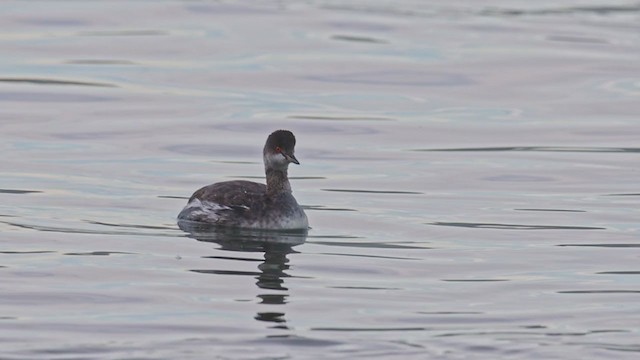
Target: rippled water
x=470, y=173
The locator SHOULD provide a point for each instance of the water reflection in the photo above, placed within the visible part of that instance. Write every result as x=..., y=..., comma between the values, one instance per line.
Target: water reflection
x=276, y=247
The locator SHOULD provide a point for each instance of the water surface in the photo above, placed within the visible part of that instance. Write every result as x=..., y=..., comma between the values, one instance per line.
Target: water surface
x=470, y=173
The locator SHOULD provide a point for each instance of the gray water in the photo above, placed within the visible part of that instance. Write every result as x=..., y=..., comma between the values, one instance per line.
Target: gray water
x=469, y=170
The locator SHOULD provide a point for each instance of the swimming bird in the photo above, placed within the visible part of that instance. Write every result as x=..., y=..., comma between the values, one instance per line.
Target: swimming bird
x=246, y=204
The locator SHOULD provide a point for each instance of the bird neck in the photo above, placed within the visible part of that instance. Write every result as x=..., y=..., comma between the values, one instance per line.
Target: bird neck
x=277, y=181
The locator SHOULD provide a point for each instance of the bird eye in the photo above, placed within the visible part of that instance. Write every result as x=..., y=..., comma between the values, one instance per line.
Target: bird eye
x=278, y=149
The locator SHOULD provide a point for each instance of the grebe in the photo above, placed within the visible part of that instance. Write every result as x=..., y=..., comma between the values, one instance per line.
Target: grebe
x=246, y=204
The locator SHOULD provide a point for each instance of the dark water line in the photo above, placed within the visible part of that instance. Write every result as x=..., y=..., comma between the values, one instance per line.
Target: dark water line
x=27, y=252
x=474, y=280
x=262, y=177
x=335, y=237
x=226, y=272
x=339, y=118
x=552, y=210
x=370, y=329
x=513, y=226
x=485, y=333
x=570, y=10
x=362, y=288
x=233, y=258
x=368, y=245
x=124, y=33
x=628, y=348
x=20, y=192
x=362, y=39
x=561, y=149
x=132, y=226
x=321, y=207
x=99, y=62
x=449, y=312
x=54, y=82
x=375, y=191
x=372, y=256
x=83, y=231
x=603, y=245
x=101, y=253
x=396, y=78
x=599, y=292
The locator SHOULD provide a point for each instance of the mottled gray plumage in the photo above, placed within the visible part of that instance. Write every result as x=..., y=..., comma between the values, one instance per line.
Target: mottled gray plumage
x=248, y=204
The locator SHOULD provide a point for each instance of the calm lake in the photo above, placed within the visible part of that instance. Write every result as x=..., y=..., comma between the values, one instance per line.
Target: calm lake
x=470, y=171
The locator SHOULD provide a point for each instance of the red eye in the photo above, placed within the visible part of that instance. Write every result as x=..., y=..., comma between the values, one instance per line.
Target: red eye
x=278, y=149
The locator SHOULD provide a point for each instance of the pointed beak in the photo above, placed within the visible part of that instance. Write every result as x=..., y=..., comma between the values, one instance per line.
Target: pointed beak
x=291, y=158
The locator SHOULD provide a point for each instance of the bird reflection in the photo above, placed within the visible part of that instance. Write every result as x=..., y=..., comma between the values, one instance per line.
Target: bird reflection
x=275, y=246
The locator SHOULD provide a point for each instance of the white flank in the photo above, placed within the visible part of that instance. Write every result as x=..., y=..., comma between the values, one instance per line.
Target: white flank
x=207, y=209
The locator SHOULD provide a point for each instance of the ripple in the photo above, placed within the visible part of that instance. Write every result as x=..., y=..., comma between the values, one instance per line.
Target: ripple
x=513, y=226
x=339, y=118
x=37, y=81
x=100, y=62
x=297, y=340
x=575, y=149
x=374, y=191
x=489, y=333
x=54, y=21
x=599, y=292
x=518, y=178
x=99, y=253
x=51, y=97
x=368, y=245
x=577, y=39
x=628, y=87
x=625, y=348
x=16, y=191
x=380, y=329
x=336, y=237
x=449, y=312
x=48, y=298
x=315, y=127
x=552, y=210
x=372, y=256
x=124, y=33
x=27, y=252
x=227, y=272
x=290, y=177
x=205, y=149
x=321, y=207
x=235, y=162
x=395, y=78
x=362, y=288
x=603, y=245
x=131, y=226
x=234, y=258
x=474, y=280
x=569, y=10
x=360, y=39
x=90, y=135
x=71, y=230
x=619, y=272
x=173, y=197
